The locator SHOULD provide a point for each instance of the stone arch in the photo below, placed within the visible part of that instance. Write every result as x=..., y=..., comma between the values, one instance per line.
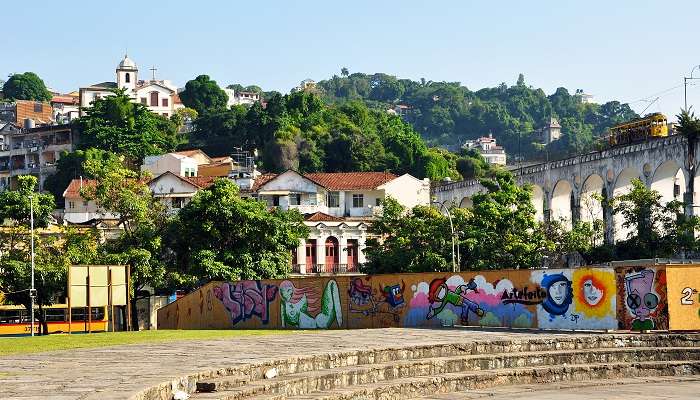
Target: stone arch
x=669, y=180
x=538, y=202
x=591, y=207
x=623, y=185
x=466, y=202
x=562, y=195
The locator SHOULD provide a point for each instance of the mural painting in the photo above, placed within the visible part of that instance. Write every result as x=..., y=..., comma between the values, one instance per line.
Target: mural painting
x=643, y=299
x=683, y=288
x=476, y=301
x=594, y=298
x=383, y=306
x=246, y=299
x=308, y=306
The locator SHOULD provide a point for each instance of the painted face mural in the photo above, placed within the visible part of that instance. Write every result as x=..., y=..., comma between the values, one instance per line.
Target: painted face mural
x=305, y=307
x=440, y=295
x=559, y=293
x=591, y=294
x=641, y=300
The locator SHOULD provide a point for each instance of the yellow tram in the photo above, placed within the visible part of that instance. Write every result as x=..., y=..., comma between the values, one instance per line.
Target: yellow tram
x=653, y=125
x=14, y=320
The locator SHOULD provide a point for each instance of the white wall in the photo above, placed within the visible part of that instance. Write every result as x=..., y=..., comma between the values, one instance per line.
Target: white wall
x=177, y=164
x=408, y=191
x=163, y=93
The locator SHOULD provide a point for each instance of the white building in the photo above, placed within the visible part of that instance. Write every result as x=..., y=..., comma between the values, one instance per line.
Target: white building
x=338, y=208
x=178, y=164
x=238, y=98
x=551, y=131
x=77, y=209
x=176, y=191
x=487, y=147
x=159, y=96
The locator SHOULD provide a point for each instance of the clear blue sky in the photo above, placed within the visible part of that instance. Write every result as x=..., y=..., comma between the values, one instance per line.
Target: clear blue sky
x=626, y=50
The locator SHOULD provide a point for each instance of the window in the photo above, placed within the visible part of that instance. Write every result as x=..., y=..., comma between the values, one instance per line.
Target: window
x=38, y=107
x=377, y=202
x=85, y=203
x=358, y=200
x=165, y=114
x=276, y=201
x=154, y=99
x=164, y=102
x=71, y=205
x=294, y=199
x=127, y=77
x=178, y=202
x=333, y=199
x=144, y=101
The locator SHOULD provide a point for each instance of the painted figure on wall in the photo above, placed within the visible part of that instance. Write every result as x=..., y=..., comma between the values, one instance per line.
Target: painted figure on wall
x=559, y=293
x=307, y=308
x=595, y=298
x=246, y=299
x=641, y=299
x=440, y=295
x=364, y=299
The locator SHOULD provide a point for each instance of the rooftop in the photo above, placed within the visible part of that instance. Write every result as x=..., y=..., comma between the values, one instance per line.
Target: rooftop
x=350, y=180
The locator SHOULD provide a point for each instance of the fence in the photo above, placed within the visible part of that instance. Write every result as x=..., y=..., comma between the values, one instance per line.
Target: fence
x=630, y=297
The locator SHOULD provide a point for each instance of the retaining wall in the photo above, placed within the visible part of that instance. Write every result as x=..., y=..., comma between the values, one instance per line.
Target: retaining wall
x=638, y=298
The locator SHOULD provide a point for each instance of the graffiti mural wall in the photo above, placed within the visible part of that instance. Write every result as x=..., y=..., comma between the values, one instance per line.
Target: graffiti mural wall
x=583, y=298
x=641, y=295
x=683, y=291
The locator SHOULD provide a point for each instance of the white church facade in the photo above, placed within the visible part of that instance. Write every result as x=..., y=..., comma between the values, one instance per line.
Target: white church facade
x=159, y=96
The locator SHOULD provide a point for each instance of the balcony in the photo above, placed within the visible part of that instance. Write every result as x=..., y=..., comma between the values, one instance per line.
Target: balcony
x=334, y=269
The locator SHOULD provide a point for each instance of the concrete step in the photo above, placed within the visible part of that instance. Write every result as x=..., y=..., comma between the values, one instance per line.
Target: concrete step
x=235, y=388
x=416, y=387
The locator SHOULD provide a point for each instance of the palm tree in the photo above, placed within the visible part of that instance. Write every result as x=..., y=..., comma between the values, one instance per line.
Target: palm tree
x=344, y=72
x=689, y=127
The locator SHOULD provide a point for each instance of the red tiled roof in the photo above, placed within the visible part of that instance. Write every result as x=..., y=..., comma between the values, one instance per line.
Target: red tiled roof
x=73, y=189
x=64, y=99
x=202, y=182
x=176, y=99
x=350, y=180
x=319, y=216
x=261, y=180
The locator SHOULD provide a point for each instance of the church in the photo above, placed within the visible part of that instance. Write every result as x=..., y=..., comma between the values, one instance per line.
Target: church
x=159, y=96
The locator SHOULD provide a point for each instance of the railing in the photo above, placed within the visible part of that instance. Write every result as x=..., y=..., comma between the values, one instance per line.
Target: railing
x=327, y=268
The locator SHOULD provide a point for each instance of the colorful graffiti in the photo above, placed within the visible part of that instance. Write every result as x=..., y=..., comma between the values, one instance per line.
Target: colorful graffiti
x=582, y=298
x=364, y=299
x=246, y=299
x=307, y=308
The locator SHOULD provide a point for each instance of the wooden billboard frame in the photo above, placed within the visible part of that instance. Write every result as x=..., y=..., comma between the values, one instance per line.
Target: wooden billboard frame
x=109, y=287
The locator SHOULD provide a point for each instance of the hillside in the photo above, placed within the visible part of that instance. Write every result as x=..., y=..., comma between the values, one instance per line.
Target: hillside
x=447, y=113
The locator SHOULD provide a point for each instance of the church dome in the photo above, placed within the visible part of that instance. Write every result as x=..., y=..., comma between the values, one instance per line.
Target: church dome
x=127, y=63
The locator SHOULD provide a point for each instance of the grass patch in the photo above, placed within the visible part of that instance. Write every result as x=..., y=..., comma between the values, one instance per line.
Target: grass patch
x=38, y=344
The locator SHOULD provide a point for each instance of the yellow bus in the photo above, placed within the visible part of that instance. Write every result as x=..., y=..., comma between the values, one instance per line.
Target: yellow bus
x=14, y=320
x=653, y=125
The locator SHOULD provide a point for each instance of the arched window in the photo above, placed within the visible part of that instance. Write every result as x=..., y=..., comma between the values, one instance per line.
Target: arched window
x=127, y=77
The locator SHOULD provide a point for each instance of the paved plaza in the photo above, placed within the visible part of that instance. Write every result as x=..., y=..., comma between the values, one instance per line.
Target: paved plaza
x=121, y=372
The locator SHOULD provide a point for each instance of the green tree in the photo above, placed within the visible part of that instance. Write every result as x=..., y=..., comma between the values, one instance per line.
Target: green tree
x=15, y=255
x=72, y=166
x=417, y=240
x=221, y=236
x=26, y=86
x=203, y=95
x=143, y=219
x=689, y=127
x=344, y=72
x=116, y=124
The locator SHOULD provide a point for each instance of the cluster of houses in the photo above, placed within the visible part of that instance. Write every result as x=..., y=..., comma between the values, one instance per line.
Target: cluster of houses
x=337, y=207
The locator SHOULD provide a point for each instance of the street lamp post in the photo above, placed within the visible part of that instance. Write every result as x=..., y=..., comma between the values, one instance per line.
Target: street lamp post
x=32, y=292
x=452, y=228
x=685, y=86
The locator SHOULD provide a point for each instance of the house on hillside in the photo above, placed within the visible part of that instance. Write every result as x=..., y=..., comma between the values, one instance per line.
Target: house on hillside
x=338, y=209
x=176, y=191
x=488, y=148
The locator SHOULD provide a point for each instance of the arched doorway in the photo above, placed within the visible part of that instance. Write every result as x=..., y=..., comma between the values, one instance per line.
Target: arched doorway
x=623, y=185
x=561, y=203
x=538, y=202
x=332, y=253
x=591, y=192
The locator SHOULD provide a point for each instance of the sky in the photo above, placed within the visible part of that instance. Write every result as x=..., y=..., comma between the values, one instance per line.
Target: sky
x=631, y=51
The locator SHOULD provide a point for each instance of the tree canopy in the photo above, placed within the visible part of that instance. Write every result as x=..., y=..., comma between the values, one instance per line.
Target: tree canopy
x=203, y=94
x=118, y=125
x=26, y=86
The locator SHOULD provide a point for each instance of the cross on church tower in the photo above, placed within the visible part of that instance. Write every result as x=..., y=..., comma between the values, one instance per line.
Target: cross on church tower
x=153, y=71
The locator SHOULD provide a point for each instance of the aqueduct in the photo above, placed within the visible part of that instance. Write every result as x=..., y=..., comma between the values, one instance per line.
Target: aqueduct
x=570, y=189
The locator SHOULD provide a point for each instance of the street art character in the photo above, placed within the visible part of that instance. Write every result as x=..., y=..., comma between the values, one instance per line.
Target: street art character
x=393, y=295
x=440, y=295
x=363, y=299
x=246, y=299
x=559, y=293
x=641, y=299
x=306, y=308
x=591, y=293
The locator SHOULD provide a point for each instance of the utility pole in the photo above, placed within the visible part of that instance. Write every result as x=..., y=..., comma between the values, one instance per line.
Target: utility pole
x=456, y=261
x=32, y=292
x=685, y=87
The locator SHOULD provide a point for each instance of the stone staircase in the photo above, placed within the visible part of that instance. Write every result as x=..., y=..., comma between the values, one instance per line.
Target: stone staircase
x=418, y=371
